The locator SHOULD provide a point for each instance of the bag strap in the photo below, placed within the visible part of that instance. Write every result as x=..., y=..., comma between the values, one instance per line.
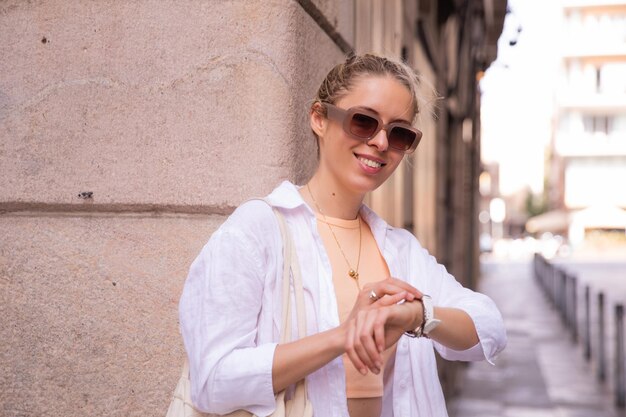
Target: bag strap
x=291, y=272
x=291, y=264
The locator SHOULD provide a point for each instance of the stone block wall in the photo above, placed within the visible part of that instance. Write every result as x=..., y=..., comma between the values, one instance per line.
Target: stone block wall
x=170, y=114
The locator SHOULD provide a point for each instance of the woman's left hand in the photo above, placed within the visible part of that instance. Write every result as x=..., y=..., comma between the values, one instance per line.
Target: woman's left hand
x=372, y=331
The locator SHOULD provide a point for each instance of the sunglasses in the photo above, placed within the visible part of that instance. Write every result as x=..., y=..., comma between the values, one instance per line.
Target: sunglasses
x=364, y=125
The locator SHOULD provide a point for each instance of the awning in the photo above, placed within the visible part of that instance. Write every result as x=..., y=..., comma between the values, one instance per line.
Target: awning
x=594, y=217
x=600, y=217
x=555, y=221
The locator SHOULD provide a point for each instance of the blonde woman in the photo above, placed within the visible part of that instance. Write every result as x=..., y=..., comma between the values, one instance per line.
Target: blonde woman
x=377, y=304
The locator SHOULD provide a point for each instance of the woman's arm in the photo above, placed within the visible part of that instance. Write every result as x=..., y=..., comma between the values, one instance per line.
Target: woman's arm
x=374, y=330
x=456, y=331
x=295, y=360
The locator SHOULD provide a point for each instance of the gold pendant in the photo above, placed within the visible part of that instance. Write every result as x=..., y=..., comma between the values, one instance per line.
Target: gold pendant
x=353, y=274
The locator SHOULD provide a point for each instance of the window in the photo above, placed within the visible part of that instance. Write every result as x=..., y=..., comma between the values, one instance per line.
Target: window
x=597, y=123
x=611, y=78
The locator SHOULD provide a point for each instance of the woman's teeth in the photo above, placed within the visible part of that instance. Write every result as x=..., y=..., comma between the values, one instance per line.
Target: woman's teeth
x=370, y=163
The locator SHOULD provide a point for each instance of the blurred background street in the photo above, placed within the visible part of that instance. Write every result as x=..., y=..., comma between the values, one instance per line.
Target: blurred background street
x=553, y=152
x=542, y=372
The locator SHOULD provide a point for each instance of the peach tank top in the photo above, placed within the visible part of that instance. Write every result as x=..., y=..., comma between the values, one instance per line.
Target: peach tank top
x=372, y=268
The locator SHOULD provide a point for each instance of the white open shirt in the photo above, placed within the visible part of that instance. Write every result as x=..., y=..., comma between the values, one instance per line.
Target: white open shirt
x=230, y=314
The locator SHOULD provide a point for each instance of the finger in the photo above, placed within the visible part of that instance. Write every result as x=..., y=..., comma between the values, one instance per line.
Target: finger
x=379, y=335
x=359, y=348
x=405, y=285
x=368, y=342
x=390, y=299
x=354, y=358
x=388, y=288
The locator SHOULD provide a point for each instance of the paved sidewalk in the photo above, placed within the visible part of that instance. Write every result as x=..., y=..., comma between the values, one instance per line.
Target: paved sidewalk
x=541, y=373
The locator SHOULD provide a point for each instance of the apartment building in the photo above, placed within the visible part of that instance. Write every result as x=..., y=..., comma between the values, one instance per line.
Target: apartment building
x=589, y=146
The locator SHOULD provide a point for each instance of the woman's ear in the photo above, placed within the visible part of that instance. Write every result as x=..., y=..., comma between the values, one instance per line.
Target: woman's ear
x=317, y=120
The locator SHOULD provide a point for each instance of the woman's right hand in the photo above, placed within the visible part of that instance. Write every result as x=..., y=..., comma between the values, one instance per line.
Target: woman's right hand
x=387, y=292
x=297, y=359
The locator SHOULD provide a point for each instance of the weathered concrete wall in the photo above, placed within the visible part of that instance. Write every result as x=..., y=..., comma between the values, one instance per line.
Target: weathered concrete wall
x=153, y=103
x=154, y=106
x=88, y=311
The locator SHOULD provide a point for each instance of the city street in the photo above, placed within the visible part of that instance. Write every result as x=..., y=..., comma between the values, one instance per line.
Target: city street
x=541, y=373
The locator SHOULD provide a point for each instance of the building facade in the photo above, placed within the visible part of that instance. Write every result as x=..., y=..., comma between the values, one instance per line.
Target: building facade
x=589, y=147
x=130, y=130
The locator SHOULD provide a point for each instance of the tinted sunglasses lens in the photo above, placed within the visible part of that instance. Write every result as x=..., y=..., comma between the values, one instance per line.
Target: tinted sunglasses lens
x=362, y=125
x=401, y=138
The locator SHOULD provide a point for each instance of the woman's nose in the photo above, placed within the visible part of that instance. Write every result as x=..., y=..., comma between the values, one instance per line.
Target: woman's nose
x=380, y=141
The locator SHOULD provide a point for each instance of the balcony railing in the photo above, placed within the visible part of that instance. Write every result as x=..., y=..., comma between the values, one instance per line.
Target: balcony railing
x=590, y=144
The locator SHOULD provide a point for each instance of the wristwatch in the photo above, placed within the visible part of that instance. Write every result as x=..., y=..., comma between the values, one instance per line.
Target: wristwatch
x=429, y=323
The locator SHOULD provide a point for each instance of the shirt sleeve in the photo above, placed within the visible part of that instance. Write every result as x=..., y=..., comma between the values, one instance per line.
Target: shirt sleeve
x=446, y=291
x=219, y=310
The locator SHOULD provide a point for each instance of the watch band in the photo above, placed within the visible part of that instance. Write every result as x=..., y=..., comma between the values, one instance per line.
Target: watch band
x=429, y=322
x=419, y=330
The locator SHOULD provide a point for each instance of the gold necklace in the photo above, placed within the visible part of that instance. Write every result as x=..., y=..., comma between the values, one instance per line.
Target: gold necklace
x=352, y=273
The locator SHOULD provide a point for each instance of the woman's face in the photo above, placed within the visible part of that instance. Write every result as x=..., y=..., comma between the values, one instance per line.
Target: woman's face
x=355, y=165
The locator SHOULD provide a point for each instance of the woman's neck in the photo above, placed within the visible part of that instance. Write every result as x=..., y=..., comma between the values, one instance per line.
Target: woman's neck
x=329, y=199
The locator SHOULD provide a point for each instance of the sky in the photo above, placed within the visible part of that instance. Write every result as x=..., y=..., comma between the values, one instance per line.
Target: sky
x=517, y=95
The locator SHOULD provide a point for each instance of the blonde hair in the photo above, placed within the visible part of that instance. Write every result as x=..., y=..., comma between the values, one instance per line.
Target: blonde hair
x=342, y=77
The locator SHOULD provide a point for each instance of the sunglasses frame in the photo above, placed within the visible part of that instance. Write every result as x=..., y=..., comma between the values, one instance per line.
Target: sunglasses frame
x=344, y=116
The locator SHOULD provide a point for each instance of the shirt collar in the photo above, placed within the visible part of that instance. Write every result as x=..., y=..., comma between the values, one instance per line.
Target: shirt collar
x=287, y=195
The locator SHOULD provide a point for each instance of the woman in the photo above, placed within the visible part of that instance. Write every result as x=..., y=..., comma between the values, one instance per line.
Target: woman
x=369, y=288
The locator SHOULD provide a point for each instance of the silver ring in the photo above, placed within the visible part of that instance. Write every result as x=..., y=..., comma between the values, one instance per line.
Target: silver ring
x=373, y=296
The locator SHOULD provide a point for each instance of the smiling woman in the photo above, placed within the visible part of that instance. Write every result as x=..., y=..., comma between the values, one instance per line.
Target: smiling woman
x=376, y=303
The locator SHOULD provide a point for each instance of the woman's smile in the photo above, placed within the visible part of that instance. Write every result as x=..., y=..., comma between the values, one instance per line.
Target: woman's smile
x=370, y=164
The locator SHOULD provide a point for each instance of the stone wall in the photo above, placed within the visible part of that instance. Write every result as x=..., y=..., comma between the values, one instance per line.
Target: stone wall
x=170, y=114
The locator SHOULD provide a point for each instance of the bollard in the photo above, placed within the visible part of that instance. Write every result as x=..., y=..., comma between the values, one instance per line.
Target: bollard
x=541, y=273
x=567, y=301
x=587, y=329
x=549, y=284
x=601, y=346
x=563, y=302
x=544, y=268
x=545, y=278
x=553, y=285
x=538, y=270
x=620, y=383
x=574, y=307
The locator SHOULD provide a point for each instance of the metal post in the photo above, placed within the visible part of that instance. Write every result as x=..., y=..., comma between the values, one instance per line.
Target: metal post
x=574, y=312
x=544, y=275
x=563, y=303
x=553, y=285
x=601, y=344
x=587, y=329
x=541, y=272
x=620, y=383
x=538, y=270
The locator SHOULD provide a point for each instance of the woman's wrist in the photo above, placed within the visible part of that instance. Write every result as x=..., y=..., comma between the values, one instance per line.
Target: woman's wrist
x=340, y=334
x=417, y=313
